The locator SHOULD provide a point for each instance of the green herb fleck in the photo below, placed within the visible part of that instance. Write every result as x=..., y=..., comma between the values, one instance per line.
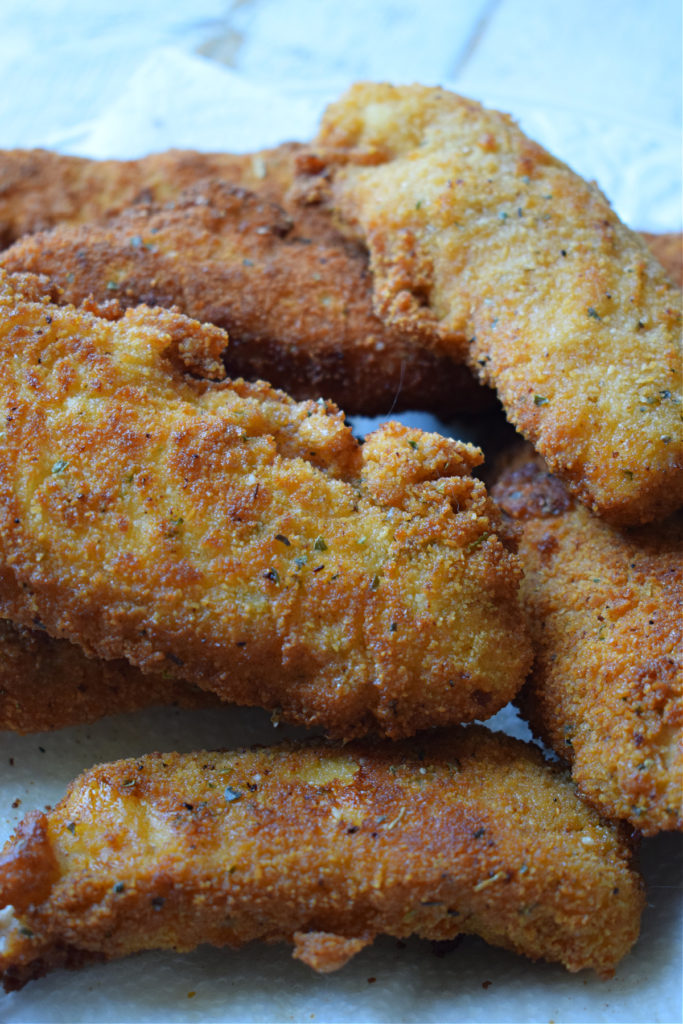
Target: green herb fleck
x=413, y=444
x=628, y=473
x=231, y=795
x=72, y=827
x=272, y=574
x=119, y=887
x=247, y=262
x=319, y=544
x=594, y=313
x=540, y=400
x=375, y=583
x=112, y=286
x=60, y=466
x=479, y=540
x=174, y=527
x=136, y=241
x=283, y=540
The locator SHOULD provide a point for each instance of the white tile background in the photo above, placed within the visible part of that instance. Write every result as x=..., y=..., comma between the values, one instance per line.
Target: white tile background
x=63, y=61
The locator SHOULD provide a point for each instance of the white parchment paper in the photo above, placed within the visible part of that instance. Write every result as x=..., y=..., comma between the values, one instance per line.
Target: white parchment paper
x=174, y=99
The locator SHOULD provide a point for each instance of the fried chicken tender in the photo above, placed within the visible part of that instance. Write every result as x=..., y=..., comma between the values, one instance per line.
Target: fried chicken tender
x=242, y=541
x=298, y=307
x=322, y=846
x=604, y=607
x=48, y=684
x=295, y=296
x=486, y=247
x=40, y=189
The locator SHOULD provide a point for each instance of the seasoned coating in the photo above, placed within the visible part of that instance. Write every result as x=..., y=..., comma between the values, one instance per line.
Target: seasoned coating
x=242, y=541
x=324, y=847
x=48, y=684
x=40, y=189
x=668, y=249
x=295, y=297
x=604, y=607
x=487, y=247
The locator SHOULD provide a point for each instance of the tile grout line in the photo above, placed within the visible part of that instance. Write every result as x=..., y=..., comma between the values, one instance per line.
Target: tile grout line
x=475, y=37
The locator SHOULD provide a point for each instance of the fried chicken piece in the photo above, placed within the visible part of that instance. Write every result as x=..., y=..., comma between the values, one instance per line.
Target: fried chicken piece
x=298, y=307
x=604, y=607
x=668, y=249
x=242, y=541
x=486, y=247
x=295, y=296
x=40, y=189
x=324, y=847
x=48, y=684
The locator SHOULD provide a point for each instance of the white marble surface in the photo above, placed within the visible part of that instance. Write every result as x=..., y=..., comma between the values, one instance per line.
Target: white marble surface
x=599, y=83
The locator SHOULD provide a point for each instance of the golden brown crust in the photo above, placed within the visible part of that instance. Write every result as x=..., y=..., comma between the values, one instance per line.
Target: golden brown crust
x=324, y=847
x=242, y=541
x=298, y=309
x=484, y=245
x=40, y=189
x=667, y=248
x=49, y=684
x=216, y=236
x=604, y=608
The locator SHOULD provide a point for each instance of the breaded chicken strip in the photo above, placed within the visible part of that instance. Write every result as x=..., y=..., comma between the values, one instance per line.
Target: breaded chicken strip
x=49, y=684
x=244, y=542
x=40, y=189
x=604, y=607
x=296, y=298
x=324, y=847
x=485, y=246
x=294, y=294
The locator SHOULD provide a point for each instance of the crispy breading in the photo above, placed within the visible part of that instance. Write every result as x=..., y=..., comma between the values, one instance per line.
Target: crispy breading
x=49, y=684
x=604, y=607
x=294, y=294
x=296, y=298
x=40, y=189
x=245, y=542
x=667, y=247
x=322, y=846
x=487, y=247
